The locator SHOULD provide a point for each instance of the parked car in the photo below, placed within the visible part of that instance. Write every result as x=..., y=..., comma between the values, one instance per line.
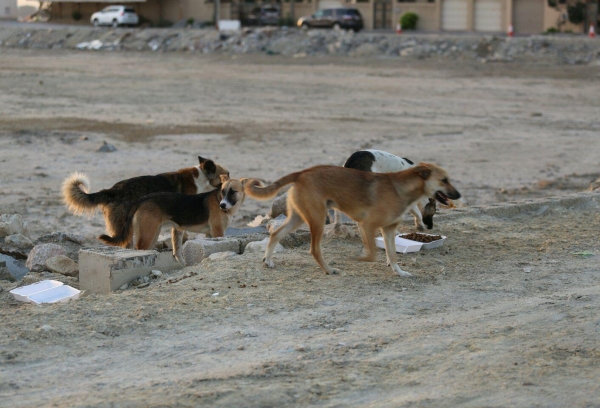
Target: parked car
x=346, y=18
x=268, y=14
x=115, y=16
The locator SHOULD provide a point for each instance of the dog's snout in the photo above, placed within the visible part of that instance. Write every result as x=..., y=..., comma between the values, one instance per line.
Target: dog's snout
x=223, y=206
x=455, y=195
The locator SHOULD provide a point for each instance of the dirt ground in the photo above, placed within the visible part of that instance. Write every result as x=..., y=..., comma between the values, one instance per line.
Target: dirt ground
x=504, y=314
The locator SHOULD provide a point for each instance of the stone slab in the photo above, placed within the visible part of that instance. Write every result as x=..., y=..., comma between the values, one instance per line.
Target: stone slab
x=105, y=269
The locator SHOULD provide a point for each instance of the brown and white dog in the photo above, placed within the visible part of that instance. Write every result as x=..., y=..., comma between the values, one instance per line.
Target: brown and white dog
x=116, y=201
x=374, y=200
x=209, y=213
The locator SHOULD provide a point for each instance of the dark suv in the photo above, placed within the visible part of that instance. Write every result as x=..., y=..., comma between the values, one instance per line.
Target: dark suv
x=346, y=18
x=267, y=14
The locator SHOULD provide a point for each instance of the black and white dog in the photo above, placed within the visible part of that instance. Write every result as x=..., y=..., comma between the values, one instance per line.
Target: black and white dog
x=378, y=161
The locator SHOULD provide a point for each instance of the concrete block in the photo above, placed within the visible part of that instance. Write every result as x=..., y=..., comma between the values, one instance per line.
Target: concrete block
x=105, y=269
x=196, y=250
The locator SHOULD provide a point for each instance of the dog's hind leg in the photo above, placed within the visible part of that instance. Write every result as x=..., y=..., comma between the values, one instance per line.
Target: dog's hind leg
x=177, y=241
x=292, y=223
x=389, y=233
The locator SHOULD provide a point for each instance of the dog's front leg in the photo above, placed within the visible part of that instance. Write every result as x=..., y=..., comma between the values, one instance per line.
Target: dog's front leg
x=177, y=241
x=390, y=249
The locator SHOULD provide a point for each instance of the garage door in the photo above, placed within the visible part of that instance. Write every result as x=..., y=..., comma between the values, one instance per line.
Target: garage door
x=488, y=15
x=528, y=16
x=323, y=4
x=455, y=14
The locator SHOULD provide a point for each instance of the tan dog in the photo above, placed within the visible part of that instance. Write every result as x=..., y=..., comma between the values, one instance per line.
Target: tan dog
x=374, y=200
x=208, y=213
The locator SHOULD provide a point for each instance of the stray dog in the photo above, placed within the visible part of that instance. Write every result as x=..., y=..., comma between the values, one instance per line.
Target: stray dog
x=115, y=201
x=374, y=200
x=209, y=213
x=378, y=161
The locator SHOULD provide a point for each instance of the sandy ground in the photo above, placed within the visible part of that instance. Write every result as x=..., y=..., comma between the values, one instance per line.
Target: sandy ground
x=505, y=314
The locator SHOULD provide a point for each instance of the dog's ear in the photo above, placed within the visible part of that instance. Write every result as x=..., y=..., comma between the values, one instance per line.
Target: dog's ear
x=208, y=167
x=201, y=159
x=244, y=181
x=423, y=171
x=224, y=178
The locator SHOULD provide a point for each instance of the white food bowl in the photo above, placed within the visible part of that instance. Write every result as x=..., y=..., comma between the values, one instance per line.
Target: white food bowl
x=58, y=294
x=403, y=246
x=429, y=245
x=24, y=292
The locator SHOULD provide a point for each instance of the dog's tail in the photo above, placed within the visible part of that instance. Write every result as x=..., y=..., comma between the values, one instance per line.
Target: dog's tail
x=124, y=233
x=76, y=195
x=256, y=189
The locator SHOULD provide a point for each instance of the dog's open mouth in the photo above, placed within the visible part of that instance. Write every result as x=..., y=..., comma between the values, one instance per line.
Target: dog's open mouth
x=441, y=197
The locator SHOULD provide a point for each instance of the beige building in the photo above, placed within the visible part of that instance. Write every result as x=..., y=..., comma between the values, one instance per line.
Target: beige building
x=8, y=10
x=526, y=16
x=492, y=16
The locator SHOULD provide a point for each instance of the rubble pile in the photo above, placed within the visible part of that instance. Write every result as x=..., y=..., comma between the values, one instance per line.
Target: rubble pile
x=559, y=49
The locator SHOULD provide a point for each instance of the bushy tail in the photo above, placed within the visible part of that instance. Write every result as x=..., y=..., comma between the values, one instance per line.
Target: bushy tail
x=124, y=234
x=75, y=191
x=256, y=189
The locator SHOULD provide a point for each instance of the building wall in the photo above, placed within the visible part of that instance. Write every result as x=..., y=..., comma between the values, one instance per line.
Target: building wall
x=8, y=10
x=430, y=15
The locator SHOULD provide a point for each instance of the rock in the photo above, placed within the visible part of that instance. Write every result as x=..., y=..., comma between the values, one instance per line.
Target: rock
x=107, y=148
x=36, y=261
x=295, y=239
x=70, y=242
x=260, y=246
x=11, y=224
x=4, y=275
x=339, y=231
x=156, y=273
x=366, y=50
x=13, y=269
x=46, y=327
x=279, y=206
x=218, y=256
x=276, y=223
x=18, y=240
x=595, y=185
x=63, y=265
x=234, y=232
x=196, y=250
x=17, y=246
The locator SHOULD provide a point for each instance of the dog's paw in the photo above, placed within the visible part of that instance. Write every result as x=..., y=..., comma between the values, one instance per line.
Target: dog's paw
x=268, y=263
x=399, y=271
